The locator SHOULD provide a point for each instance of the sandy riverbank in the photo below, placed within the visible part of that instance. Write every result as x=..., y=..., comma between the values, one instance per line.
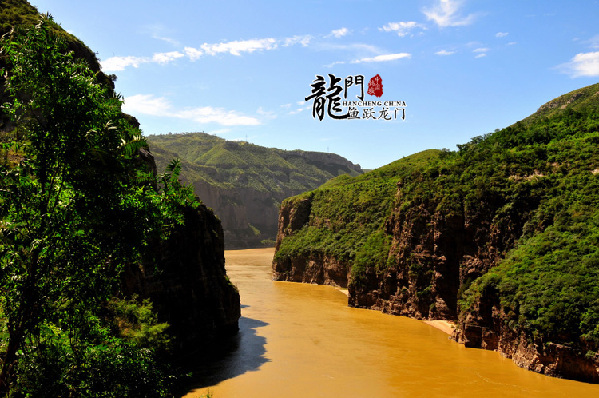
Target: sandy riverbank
x=444, y=326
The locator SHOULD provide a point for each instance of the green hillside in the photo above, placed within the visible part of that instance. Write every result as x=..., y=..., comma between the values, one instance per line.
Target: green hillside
x=245, y=183
x=422, y=233
x=348, y=214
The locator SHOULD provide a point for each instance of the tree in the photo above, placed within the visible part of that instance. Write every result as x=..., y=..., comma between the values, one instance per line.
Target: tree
x=76, y=205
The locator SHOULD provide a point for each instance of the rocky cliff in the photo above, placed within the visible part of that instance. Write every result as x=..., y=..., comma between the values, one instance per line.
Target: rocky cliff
x=500, y=236
x=244, y=183
x=186, y=280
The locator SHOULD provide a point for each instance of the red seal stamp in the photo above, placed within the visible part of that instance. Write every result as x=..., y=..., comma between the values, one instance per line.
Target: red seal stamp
x=375, y=86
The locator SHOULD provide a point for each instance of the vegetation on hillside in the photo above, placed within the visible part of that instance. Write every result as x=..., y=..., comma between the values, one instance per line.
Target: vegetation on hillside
x=73, y=190
x=239, y=164
x=348, y=214
x=536, y=181
x=245, y=183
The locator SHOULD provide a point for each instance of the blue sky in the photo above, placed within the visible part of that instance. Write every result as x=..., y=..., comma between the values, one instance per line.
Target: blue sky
x=241, y=69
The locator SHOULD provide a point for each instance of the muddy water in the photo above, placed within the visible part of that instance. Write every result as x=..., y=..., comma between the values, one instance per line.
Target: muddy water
x=299, y=340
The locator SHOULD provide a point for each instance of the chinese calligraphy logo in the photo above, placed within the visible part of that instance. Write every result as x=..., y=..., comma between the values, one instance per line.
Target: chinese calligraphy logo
x=327, y=97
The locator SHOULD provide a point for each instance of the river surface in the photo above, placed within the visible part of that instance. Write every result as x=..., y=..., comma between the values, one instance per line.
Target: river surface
x=299, y=340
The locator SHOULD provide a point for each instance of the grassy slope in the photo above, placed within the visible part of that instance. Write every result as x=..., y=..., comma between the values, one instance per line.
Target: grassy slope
x=228, y=164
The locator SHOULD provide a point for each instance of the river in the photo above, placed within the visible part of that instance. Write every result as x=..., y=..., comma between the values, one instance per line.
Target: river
x=299, y=340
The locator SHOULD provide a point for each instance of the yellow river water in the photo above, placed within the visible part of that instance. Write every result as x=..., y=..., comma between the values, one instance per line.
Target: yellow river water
x=299, y=340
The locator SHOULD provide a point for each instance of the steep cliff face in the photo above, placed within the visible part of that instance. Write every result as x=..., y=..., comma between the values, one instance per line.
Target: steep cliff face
x=486, y=325
x=431, y=255
x=500, y=236
x=186, y=280
x=244, y=183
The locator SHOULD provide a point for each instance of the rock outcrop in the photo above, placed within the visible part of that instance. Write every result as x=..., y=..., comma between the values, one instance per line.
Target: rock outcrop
x=485, y=327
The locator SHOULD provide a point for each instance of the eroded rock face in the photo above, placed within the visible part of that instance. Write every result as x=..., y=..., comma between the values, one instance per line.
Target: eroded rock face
x=485, y=327
x=317, y=268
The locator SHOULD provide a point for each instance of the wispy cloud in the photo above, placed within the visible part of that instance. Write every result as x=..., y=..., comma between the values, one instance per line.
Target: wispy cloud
x=304, y=40
x=238, y=47
x=382, y=58
x=353, y=47
x=160, y=32
x=480, y=52
x=582, y=65
x=337, y=33
x=113, y=64
x=120, y=63
x=164, y=58
x=499, y=35
x=594, y=42
x=402, y=28
x=148, y=104
x=446, y=13
x=445, y=52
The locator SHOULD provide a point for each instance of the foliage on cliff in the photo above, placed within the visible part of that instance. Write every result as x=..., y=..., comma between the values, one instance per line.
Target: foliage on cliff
x=348, y=215
x=73, y=192
x=524, y=198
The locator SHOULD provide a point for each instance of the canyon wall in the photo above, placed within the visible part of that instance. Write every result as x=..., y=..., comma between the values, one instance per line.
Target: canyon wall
x=499, y=237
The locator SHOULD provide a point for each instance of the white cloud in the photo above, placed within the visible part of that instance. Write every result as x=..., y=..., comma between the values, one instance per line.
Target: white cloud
x=219, y=131
x=193, y=53
x=445, y=52
x=266, y=114
x=333, y=64
x=402, y=28
x=146, y=104
x=163, y=58
x=337, y=33
x=582, y=65
x=304, y=40
x=446, y=13
x=356, y=47
x=383, y=58
x=208, y=114
x=480, y=52
x=237, y=47
x=120, y=63
x=159, y=32
x=157, y=106
x=501, y=34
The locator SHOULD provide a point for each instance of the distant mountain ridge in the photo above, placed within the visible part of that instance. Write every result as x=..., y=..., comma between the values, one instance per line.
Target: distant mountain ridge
x=245, y=183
